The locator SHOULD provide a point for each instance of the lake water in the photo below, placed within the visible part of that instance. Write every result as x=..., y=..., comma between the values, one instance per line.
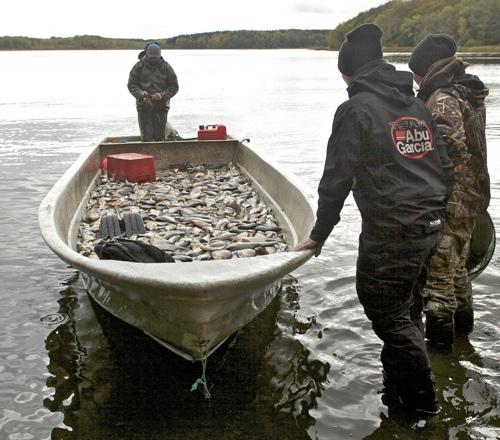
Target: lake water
x=307, y=368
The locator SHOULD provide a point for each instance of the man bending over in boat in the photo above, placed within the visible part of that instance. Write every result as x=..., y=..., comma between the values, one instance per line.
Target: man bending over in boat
x=152, y=82
x=385, y=147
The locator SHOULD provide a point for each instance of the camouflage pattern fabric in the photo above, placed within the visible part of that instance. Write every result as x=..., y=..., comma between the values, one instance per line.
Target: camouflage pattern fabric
x=456, y=101
x=448, y=287
x=153, y=79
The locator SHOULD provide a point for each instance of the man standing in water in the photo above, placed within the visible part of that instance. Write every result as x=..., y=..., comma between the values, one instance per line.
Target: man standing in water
x=456, y=100
x=152, y=82
x=385, y=147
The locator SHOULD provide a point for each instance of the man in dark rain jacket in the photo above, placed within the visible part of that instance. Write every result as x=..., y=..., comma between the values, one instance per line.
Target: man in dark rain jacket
x=456, y=100
x=385, y=147
x=152, y=82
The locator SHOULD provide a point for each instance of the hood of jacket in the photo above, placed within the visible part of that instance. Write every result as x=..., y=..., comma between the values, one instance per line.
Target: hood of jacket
x=450, y=72
x=383, y=79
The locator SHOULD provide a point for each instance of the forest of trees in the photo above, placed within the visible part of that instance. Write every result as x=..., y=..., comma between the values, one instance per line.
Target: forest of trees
x=77, y=42
x=406, y=22
x=279, y=39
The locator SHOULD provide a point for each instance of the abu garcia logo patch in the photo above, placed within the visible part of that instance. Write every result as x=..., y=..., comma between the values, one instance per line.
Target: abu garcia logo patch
x=412, y=137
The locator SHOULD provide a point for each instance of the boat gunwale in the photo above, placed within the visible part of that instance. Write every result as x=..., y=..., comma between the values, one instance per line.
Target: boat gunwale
x=220, y=276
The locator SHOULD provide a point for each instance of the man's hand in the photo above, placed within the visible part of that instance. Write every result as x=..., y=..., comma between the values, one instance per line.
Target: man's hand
x=310, y=244
x=156, y=97
x=143, y=93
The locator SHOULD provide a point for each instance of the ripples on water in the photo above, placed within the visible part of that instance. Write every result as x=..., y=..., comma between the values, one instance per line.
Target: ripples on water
x=307, y=368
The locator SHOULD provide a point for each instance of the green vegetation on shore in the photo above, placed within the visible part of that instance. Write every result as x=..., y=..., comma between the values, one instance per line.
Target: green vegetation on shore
x=278, y=39
x=474, y=24
x=405, y=22
x=69, y=43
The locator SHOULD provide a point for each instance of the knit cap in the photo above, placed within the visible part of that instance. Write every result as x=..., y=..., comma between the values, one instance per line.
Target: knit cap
x=432, y=48
x=360, y=46
x=153, y=50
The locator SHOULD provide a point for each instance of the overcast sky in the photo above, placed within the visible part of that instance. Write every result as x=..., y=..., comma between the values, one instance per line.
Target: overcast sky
x=167, y=18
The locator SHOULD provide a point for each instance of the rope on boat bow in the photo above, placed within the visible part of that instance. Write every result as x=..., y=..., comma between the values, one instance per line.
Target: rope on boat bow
x=203, y=379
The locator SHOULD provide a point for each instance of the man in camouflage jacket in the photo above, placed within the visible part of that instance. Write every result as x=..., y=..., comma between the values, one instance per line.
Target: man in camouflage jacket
x=456, y=100
x=152, y=82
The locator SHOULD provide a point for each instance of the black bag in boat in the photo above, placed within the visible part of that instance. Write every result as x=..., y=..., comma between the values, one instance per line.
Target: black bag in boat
x=131, y=250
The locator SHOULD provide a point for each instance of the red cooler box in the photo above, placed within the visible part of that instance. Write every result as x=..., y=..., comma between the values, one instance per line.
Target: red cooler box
x=133, y=167
x=212, y=133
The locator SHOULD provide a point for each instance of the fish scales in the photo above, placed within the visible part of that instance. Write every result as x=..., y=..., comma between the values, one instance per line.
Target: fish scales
x=197, y=213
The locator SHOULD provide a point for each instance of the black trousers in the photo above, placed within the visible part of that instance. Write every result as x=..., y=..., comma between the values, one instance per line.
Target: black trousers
x=152, y=124
x=391, y=273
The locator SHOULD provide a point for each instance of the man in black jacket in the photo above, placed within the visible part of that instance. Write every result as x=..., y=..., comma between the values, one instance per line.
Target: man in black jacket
x=152, y=82
x=385, y=147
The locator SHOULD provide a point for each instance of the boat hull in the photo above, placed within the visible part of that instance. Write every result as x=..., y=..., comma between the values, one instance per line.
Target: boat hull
x=189, y=307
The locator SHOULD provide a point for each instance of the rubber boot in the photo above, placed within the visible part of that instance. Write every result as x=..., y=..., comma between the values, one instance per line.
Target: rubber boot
x=418, y=395
x=464, y=321
x=390, y=394
x=417, y=320
x=425, y=404
x=440, y=331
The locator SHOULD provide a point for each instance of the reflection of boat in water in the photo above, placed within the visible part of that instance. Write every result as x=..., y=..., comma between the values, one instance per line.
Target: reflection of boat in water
x=189, y=307
x=111, y=381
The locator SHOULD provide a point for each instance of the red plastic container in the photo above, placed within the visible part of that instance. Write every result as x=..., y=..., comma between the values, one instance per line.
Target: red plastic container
x=133, y=167
x=212, y=132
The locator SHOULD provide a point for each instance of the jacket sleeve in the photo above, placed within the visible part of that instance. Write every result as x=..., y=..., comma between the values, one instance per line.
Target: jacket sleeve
x=341, y=160
x=447, y=113
x=133, y=82
x=172, y=85
x=446, y=163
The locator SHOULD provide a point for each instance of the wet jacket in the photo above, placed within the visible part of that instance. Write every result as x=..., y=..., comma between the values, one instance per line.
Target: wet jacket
x=386, y=148
x=158, y=78
x=456, y=100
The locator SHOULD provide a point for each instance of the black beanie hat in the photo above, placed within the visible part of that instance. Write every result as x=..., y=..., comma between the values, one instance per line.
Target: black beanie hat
x=432, y=48
x=360, y=46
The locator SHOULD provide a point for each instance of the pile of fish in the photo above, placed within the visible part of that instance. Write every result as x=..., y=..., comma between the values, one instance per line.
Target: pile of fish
x=196, y=213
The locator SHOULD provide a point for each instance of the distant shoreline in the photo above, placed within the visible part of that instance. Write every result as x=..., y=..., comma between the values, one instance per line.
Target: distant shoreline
x=486, y=50
x=314, y=39
x=493, y=50
x=243, y=39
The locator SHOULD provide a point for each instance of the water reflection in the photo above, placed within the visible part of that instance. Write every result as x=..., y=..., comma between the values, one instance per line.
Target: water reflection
x=260, y=389
x=470, y=57
x=469, y=400
x=112, y=382
x=468, y=403
x=296, y=377
x=66, y=356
